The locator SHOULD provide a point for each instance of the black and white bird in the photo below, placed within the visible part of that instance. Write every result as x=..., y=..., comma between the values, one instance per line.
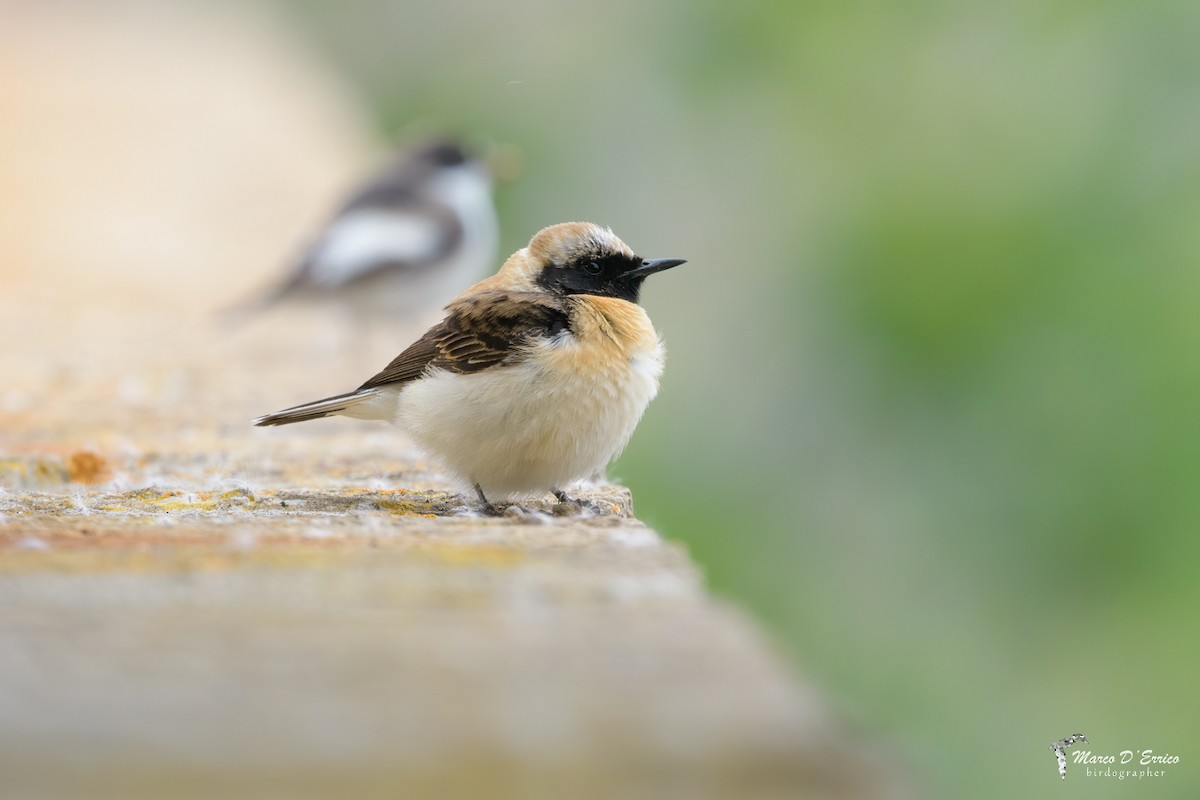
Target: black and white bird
x=535, y=378
x=407, y=241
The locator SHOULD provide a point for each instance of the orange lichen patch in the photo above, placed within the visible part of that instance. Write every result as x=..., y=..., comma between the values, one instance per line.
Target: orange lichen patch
x=85, y=466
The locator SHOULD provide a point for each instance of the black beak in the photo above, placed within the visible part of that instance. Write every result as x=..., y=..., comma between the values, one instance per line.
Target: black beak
x=651, y=266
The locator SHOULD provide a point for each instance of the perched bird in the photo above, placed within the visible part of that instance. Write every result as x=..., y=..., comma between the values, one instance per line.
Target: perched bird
x=535, y=378
x=403, y=244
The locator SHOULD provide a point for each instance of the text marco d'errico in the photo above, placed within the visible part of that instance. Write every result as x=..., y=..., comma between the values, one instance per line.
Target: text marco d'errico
x=1144, y=758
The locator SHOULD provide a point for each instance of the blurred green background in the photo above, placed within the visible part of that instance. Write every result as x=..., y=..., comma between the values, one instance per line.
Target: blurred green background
x=931, y=406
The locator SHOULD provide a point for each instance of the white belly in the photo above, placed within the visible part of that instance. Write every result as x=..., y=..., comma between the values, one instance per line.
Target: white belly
x=532, y=427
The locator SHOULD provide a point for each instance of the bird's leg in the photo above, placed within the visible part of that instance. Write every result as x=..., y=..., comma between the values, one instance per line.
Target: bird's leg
x=563, y=497
x=485, y=505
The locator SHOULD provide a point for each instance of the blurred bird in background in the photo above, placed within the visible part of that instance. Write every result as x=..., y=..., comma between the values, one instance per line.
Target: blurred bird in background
x=403, y=244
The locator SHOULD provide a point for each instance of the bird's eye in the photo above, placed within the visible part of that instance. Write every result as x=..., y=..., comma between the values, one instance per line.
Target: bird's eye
x=592, y=269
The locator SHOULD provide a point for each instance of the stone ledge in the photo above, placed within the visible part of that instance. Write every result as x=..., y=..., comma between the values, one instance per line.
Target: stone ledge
x=281, y=640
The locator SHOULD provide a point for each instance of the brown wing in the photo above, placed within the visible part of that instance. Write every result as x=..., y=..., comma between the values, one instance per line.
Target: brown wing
x=483, y=331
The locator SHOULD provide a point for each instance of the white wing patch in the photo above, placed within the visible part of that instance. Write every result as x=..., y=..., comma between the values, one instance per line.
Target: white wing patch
x=358, y=242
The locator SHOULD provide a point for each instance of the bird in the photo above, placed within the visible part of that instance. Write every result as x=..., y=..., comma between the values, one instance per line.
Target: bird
x=406, y=241
x=534, y=379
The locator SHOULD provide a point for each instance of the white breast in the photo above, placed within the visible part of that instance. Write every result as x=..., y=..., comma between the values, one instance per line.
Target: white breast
x=544, y=424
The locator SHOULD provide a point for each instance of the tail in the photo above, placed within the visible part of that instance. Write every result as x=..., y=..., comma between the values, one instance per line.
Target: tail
x=352, y=404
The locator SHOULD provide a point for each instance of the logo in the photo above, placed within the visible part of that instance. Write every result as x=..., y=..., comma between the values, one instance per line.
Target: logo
x=1144, y=763
x=1060, y=751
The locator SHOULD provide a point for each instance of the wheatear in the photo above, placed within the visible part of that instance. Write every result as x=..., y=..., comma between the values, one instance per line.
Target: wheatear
x=404, y=243
x=535, y=378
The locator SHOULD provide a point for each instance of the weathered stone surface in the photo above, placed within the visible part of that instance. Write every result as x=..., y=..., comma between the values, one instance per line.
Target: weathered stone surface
x=310, y=631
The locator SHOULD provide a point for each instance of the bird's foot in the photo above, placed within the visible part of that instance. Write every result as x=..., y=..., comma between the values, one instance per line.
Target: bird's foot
x=570, y=506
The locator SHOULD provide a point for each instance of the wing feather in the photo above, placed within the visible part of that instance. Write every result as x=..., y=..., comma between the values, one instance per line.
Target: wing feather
x=485, y=331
